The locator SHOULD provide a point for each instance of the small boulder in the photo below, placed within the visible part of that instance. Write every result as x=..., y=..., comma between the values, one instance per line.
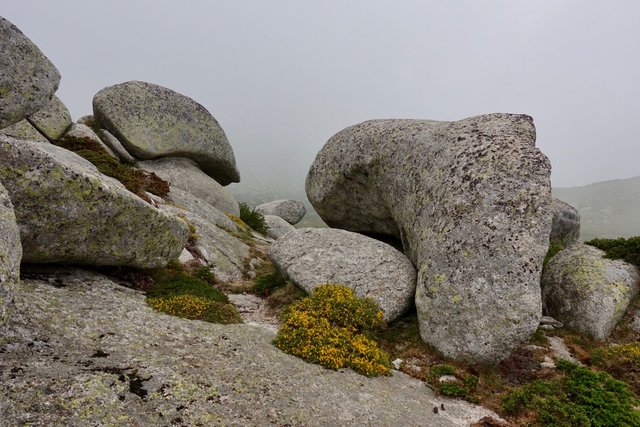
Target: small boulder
x=565, y=224
x=152, y=121
x=586, y=291
x=291, y=211
x=28, y=79
x=68, y=212
x=115, y=146
x=10, y=255
x=24, y=130
x=184, y=173
x=53, y=120
x=313, y=256
x=278, y=227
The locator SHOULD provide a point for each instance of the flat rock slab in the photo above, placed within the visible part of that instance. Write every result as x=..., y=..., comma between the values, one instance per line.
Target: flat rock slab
x=24, y=130
x=470, y=201
x=153, y=121
x=28, y=79
x=53, y=120
x=10, y=255
x=68, y=212
x=586, y=291
x=291, y=211
x=313, y=256
x=69, y=361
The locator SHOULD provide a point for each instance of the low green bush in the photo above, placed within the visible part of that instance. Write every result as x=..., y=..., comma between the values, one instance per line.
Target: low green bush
x=580, y=397
x=267, y=282
x=253, y=219
x=329, y=328
x=627, y=250
x=463, y=387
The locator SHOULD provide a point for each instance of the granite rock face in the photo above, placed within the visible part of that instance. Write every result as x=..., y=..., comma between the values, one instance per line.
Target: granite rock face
x=152, y=121
x=28, y=79
x=313, y=256
x=68, y=212
x=291, y=211
x=586, y=291
x=184, y=173
x=23, y=130
x=115, y=146
x=565, y=224
x=81, y=132
x=470, y=201
x=278, y=227
x=53, y=120
x=10, y=255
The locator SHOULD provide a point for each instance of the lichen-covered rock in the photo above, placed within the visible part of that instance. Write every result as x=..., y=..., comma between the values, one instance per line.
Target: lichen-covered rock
x=53, y=120
x=28, y=79
x=10, y=255
x=184, y=173
x=470, y=201
x=152, y=121
x=82, y=350
x=278, y=227
x=291, y=211
x=586, y=291
x=81, y=132
x=313, y=256
x=565, y=224
x=115, y=146
x=70, y=213
x=23, y=130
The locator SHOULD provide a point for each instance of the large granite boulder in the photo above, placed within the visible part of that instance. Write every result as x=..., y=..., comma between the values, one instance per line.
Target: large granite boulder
x=23, y=130
x=565, y=224
x=10, y=255
x=291, y=211
x=278, y=227
x=152, y=121
x=470, y=201
x=184, y=173
x=313, y=256
x=586, y=291
x=28, y=79
x=53, y=120
x=68, y=212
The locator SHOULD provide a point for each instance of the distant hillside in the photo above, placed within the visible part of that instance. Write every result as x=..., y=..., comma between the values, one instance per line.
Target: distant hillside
x=607, y=209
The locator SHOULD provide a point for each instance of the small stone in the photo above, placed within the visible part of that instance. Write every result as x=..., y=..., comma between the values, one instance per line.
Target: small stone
x=448, y=379
x=397, y=363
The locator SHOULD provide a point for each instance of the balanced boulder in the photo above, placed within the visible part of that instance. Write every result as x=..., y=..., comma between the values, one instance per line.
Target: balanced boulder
x=184, y=173
x=10, y=255
x=313, y=256
x=28, y=79
x=565, y=224
x=470, y=201
x=70, y=213
x=152, y=121
x=586, y=291
x=53, y=120
x=278, y=227
x=291, y=211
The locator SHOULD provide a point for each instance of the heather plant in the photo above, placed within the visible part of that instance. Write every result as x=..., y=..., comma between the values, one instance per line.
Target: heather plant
x=330, y=328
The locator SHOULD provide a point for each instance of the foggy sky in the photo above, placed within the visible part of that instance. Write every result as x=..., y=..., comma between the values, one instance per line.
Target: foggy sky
x=281, y=77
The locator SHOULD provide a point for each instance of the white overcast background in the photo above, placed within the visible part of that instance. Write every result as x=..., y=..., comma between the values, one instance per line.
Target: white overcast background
x=281, y=77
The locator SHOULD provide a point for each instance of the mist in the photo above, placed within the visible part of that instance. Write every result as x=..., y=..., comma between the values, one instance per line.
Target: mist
x=281, y=77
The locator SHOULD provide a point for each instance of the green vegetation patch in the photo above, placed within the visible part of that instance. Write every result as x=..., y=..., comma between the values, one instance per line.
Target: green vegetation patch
x=135, y=180
x=462, y=386
x=330, y=328
x=627, y=250
x=579, y=397
x=253, y=219
x=622, y=361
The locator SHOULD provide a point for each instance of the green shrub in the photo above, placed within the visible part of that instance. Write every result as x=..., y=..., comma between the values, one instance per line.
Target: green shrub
x=329, y=327
x=197, y=308
x=135, y=180
x=627, y=250
x=581, y=397
x=183, y=284
x=253, y=219
x=268, y=282
x=463, y=387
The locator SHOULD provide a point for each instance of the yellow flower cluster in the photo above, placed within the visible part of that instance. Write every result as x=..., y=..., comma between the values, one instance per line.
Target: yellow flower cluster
x=194, y=307
x=618, y=354
x=327, y=328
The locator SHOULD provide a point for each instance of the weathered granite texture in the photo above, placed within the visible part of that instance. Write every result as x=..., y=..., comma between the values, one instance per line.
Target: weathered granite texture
x=291, y=211
x=68, y=212
x=470, y=201
x=153, y=121
x=24, y=130
x=115, y=146
x=10, y=256
x=28, y=79
x=53, y=120
x=565, y=224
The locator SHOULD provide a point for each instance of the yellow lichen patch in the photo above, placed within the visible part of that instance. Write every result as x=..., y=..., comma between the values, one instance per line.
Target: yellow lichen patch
x=328, y=328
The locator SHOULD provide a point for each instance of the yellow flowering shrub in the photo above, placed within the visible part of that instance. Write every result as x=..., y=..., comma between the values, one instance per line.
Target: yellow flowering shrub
x=196, y=307
x=622, y=361
x=329, y=327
